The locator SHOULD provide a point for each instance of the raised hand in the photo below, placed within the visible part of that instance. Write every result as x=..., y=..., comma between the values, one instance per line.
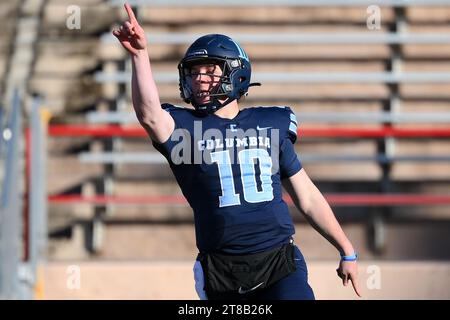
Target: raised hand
x=130, y=33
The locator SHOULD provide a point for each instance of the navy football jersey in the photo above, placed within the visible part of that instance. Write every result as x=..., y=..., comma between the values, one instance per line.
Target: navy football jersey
x=230, y=172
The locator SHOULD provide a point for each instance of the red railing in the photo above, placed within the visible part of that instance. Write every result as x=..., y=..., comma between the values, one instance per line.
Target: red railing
x=333, y=199
x=349, y=132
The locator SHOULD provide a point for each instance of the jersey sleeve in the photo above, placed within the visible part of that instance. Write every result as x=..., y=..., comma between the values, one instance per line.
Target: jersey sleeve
x=178, y=115
x=289, y=161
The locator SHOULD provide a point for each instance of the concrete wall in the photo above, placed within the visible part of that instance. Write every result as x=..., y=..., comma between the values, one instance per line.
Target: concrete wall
x=167, y=280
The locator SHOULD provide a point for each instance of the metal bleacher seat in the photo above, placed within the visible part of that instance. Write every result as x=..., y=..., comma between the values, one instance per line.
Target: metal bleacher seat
x=386, y=79
x=360, y=95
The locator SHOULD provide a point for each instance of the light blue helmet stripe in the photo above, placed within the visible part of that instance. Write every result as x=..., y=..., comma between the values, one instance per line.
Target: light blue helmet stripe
x=242, y=53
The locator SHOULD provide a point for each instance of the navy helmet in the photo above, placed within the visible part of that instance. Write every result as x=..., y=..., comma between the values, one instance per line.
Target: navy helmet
x=236, y=70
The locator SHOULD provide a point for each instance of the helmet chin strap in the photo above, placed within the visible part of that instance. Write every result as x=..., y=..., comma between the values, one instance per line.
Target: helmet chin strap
x=213, y=105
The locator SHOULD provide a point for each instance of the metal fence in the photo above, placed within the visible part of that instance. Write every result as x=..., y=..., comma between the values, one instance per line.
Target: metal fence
x=11, y=205
x=37, y=196
x=23, y=210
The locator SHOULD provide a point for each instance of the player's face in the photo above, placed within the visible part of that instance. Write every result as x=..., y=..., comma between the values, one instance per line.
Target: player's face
x=205, y=80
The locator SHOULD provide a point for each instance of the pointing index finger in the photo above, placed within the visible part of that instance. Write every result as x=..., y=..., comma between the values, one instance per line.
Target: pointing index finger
x=355, y=286
x=130, y=12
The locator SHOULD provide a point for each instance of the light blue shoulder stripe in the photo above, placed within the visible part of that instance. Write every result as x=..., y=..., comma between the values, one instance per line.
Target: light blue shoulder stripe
x=293, y=128
x=294, y=118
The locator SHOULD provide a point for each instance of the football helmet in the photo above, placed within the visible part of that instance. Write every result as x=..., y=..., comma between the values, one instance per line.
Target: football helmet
x=220, y=50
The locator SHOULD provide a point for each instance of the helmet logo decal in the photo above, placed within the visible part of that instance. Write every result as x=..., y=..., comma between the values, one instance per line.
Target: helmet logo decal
x=198, y=53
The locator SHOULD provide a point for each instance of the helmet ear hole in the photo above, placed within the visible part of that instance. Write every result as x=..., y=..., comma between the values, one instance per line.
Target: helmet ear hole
x=227, y=87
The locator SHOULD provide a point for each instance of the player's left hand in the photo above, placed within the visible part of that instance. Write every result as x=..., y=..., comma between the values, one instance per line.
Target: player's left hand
x=348, y=270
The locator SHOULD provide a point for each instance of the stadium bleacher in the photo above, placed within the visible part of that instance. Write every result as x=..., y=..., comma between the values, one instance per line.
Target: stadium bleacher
x=373, y=107
x=320, y=60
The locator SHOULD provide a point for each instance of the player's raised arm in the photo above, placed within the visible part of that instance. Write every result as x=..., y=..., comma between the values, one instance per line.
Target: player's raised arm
x=157, y=122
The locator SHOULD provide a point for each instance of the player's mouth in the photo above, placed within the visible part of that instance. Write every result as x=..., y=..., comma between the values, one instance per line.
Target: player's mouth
x=202, y=95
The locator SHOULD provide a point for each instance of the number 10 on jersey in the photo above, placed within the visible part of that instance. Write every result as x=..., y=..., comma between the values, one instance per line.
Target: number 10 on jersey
x=247, y=159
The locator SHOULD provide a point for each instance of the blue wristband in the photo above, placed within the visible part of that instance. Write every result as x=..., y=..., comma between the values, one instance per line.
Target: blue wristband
x=353, y=257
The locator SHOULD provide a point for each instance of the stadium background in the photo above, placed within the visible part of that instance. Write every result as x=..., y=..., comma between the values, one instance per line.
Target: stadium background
x=90, y=211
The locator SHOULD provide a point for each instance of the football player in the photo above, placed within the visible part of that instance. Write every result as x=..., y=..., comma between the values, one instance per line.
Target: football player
x=230, y=164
